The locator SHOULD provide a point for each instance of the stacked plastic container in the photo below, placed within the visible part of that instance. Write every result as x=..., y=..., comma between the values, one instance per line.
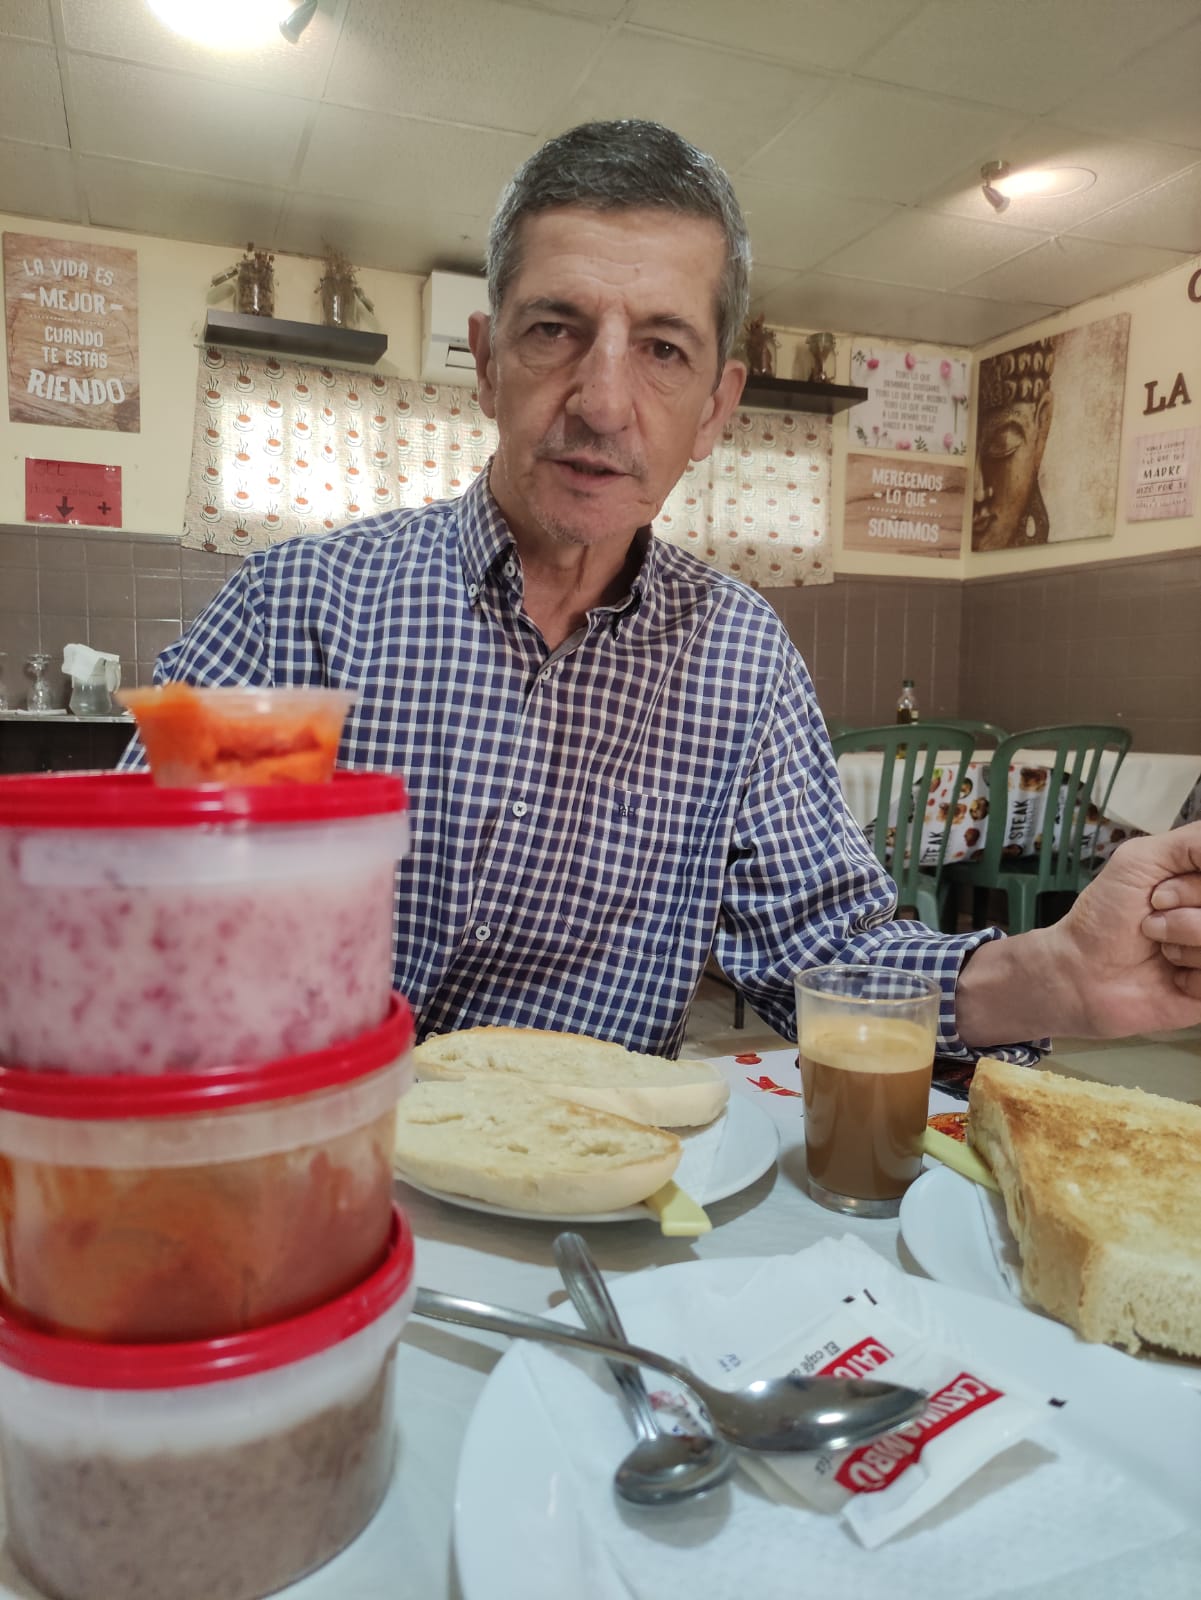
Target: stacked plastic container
x=202, y=1272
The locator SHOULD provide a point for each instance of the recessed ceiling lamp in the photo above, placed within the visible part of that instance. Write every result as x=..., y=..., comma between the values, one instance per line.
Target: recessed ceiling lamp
x=1000, y=184
x=227, y=24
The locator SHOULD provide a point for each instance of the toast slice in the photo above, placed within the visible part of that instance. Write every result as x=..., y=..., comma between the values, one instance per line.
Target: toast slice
x=590, y=1072
x=512, y=1145
x=1102, y=1188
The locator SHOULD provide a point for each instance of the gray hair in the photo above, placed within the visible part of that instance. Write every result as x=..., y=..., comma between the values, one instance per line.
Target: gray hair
x=616, y=166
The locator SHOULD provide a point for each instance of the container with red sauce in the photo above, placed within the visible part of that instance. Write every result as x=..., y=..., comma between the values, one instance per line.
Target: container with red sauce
x=192, y=1205
x=209, y=1470
x=151, y=930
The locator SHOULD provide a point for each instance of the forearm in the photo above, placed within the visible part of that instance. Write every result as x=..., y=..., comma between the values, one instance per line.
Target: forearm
x=1020, y=988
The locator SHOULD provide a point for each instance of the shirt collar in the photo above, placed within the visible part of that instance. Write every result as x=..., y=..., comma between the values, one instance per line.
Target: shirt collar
x=484, y=538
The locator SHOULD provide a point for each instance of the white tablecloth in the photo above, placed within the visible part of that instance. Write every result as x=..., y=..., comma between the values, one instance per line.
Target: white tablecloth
x=1150, y=788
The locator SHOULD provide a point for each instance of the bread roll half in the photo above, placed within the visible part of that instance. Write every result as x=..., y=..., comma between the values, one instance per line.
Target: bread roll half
x=590, y=1072
x=514, y=1146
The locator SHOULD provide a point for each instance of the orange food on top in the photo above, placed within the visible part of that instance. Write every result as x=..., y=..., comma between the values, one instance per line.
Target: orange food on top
x=190, y=738
x=952, y=1123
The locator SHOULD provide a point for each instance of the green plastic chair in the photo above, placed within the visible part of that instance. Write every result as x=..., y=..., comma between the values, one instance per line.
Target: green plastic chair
x=982, y=732
x=910, y=769
x=1070, y=867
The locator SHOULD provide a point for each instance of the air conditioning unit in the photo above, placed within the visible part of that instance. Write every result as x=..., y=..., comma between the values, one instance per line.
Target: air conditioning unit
x=447, y=300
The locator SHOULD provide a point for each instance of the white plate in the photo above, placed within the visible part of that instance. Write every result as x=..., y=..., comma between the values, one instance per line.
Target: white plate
x=943, y=1227
x=749, y=1145
x=523, y=1530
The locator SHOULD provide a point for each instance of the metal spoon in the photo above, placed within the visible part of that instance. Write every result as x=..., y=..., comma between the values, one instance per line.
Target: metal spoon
x=662, y=1467
x=789, y=1413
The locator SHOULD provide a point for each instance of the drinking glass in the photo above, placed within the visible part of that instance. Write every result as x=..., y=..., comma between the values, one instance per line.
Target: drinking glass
x=41, y=695
x=867, y=1038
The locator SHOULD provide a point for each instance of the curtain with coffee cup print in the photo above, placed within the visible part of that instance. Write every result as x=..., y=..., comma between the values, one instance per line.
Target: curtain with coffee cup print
x=759, y=506
x=284, y=448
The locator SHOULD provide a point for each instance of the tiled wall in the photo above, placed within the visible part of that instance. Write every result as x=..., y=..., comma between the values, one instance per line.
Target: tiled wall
x=124, y=593
x=1116, y=641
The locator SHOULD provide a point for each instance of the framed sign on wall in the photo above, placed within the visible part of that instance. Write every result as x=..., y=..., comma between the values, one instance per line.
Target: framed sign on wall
x=71, y=320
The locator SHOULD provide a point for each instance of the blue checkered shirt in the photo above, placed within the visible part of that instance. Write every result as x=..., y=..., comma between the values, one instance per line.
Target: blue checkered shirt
x=588, y=823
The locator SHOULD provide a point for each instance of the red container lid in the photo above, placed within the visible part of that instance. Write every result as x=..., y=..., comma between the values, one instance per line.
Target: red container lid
x=104, y=1097
x=134, y=800
x=82, y=1364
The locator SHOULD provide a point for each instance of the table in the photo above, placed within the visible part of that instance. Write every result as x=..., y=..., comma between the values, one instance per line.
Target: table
x=1147, y=795
x=441, y=1370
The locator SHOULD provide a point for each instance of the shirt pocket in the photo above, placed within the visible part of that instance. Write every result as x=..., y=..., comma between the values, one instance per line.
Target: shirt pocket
x=628, y=874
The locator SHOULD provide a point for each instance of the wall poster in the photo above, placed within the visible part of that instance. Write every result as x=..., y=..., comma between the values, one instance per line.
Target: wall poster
x=912, y=508
x=71, y=324
x=915, y=401
x=1163, y=474
x=72, y=492
x=1048, y=426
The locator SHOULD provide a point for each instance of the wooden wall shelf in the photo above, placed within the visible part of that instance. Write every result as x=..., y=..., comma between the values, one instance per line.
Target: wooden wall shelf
x=309, y=340
x=791, y=394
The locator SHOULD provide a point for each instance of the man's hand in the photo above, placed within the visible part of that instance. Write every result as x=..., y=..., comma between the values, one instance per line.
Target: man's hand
x=1125, y=959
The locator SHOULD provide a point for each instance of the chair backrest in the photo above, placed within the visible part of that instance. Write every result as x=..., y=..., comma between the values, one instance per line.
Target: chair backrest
x=911, y=769
x=983, y=732
x=1075, y=793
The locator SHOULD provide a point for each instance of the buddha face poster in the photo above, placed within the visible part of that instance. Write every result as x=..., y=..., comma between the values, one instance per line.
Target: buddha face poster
x=1048, y=438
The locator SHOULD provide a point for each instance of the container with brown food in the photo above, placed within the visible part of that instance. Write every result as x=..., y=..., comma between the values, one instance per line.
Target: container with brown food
x=220, y=1470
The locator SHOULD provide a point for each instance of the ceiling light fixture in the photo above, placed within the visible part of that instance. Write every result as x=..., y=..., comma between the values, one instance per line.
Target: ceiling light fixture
x=293, y=26
x=225, y=24
x=1000, y=184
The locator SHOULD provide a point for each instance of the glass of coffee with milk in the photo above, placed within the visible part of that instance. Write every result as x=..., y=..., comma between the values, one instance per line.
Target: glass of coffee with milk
x=866, y=1039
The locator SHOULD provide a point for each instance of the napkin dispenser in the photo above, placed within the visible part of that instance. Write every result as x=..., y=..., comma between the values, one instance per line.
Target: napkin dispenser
x=94, y=674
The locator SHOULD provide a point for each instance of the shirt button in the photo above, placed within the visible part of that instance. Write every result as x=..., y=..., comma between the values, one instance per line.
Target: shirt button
x=520, y=808
x=510, y=569
x=483, y=931
x=473, y=589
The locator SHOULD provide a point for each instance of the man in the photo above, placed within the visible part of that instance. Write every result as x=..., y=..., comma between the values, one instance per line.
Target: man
x=1016, y=406
x=614, y=753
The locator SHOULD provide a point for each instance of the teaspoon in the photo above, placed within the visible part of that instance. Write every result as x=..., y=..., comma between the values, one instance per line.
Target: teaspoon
x=792, y=1413
x=662, y=1467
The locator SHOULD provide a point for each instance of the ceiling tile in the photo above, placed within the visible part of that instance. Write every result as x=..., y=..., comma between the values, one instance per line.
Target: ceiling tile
x=1154, y=95
x=31, y=105
x=409, y=165
x=35, y=182
x=133, y=33
x=813, y=33
x=596, y=10
x=1169, y=216
x=1066, y=271
x=480, y=61
x=1030, y=57
x=396, y=240
x=198, y=125
x=817, y=300
x=880, y=143
x=178, y=205
x=729, y=105
x=1122, y=168
x=764, y=280
x=794, y=228
x=928, y=250
x=26, y=19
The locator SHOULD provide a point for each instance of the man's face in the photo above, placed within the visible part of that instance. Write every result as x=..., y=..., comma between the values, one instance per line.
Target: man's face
x=601, y=370
x=1009, y=449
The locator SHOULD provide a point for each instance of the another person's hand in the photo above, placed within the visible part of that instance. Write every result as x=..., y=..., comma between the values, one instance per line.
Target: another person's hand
x=1136, y=930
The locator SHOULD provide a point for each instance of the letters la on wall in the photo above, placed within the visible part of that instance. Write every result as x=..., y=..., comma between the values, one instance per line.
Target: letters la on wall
x=71, y=318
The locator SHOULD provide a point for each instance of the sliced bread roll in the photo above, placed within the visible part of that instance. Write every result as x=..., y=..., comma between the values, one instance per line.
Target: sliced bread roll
x=590, y=1072
x=512, y=1145
x=1102, y=1190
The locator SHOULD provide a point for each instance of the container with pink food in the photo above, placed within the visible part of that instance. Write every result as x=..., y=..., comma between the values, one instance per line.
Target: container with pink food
x=148, y=929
